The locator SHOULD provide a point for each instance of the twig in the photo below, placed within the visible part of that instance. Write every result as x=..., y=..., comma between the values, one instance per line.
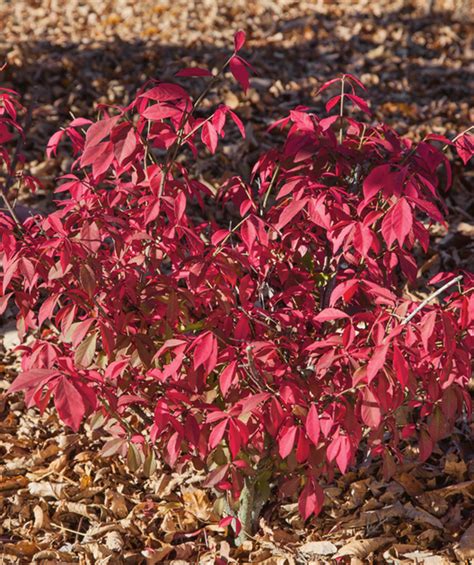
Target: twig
x=430, y=298
x=14, y=162
x=270, y=186
x=458, y=136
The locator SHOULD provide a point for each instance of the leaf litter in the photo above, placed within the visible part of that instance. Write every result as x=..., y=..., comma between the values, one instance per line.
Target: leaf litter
x=61, y=499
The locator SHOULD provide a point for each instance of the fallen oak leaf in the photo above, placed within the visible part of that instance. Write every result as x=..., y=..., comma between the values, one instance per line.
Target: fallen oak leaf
x=363, y=548
x=465, y=548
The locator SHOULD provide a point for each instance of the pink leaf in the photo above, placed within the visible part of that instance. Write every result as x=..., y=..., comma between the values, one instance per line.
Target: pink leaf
x=235, y=440
x=100, y=130
x=311, y=500
x=226, y=378
x=465, y=147
x=166, y=92
x=162, y=112
x=401, y=366
x=240, y=73
x=375, y=180
x=217, y=433
x=344, y=455
x=329, y=314
x=239, y=40
x=360, y=102
x=289, y=212
x=313, y=429
x=53, y=142
x=397, y=223
x=370, y=409
x=209, y=136
x=332, y=102
x=69, y=403
x=286, y=441
x=32, y=379
x=377, y=361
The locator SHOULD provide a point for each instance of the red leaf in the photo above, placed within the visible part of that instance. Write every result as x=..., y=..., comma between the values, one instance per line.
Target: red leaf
x=375, y=180
x=53, y=142
x=235, y=440
x=426, y=445
x=286, y=441
x=465, y=147
x=162, y=112
x=69, y=403
x=239, y=71
x=216, y=476
x=313, y=429
x=360, y=102
x=234, y=523
x=217, y=434
x=100, y=130
x=344, y=455
x=226, y=378
x=239, y=40
x=332, y=102
x=32, y=379
x=311, y=500
x=180, y=206
x=174, y=448
x=289, y=212
x=370, y=409
x=125, y=147
x=401, y=366
x=346, y=290
x=209, y=137
x=47, y=308
x=329, y=314
x=166, y=92
x=397, y=223
x=377, y=361
x=115, y=369
x=238, y=123
x=251, y=402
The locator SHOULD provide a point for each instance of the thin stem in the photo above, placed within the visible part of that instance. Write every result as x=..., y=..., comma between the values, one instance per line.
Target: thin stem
x=458, y=136
x=430, y=298
x=186, y=115
x=341, y=110
x=270, y=186
x=221, y=245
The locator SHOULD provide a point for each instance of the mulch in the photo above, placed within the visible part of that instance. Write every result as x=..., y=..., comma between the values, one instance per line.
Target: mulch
x=62, y=499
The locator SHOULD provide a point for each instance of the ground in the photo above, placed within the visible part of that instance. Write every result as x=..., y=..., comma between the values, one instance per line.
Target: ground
x=62, y=499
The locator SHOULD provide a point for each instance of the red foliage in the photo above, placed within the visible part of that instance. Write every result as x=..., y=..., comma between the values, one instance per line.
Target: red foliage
x=279, y=341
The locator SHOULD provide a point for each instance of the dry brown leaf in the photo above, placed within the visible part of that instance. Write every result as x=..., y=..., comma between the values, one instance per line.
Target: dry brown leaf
x=67, y=507
x=421, y=516
x=427, y=558
x=317, y=548
x=56, y=556
x=197, y=503
x=12, y=483
x=47, y=489
x=455, y=468
x=465, y=548
x=117, y=504
x=412, y=485
x=22, y=549
x=41, y=518
x=363, y=548
x=157, y=555
x=466, y=229
x=114, y=541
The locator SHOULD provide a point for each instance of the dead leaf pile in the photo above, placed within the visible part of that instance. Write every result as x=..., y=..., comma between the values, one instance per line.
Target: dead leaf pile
x=61, y=499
